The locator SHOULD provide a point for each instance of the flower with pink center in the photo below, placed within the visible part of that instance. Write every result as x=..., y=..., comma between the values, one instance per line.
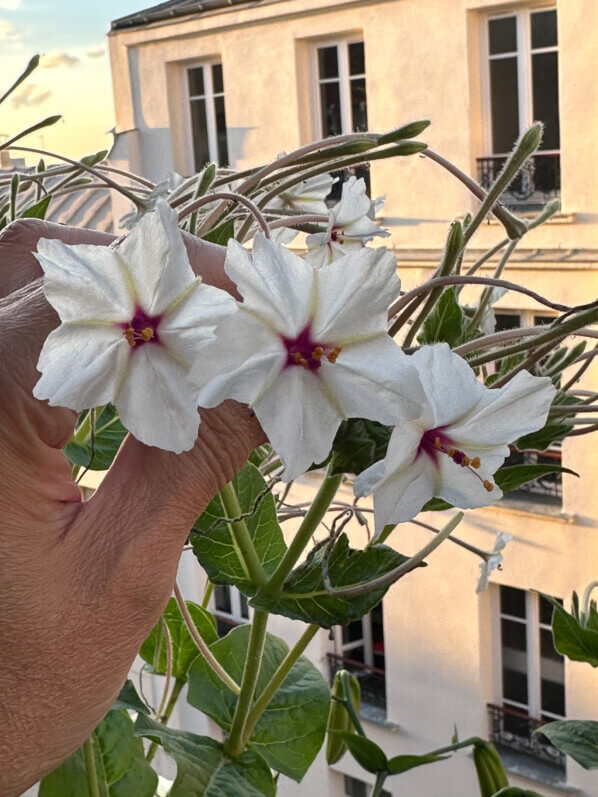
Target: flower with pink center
x=132, y=317
x=308, y=348
x=351, y=225
x=459, y=441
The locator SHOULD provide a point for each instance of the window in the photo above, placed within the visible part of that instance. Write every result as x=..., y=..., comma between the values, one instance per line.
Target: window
x=230, y=608
x=359, y=648
x=342, y=100
x=357, y=788
x=521, y=85
x=532, y=688
x=208, y=120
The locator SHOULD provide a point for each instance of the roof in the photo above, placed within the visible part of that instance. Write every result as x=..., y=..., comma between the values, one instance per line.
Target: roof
x=174, y=9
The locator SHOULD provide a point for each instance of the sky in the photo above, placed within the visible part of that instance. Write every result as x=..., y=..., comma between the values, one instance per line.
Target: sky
x=73, y=78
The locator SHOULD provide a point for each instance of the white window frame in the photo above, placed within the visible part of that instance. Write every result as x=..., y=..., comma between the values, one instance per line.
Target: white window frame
x=524, y=71
x=235, y=601
x=533, y=656
x=209, y=96
x=344, y=80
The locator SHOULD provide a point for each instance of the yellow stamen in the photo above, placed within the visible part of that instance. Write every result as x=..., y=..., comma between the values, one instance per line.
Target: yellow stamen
x=451, y=452
x=488, y=485
x=147, y=333
x=317, y=353
x=465, y=462
x=437, y=443
x=297, y=357
x=304, y=363
x=129, y=335
x=476, y=462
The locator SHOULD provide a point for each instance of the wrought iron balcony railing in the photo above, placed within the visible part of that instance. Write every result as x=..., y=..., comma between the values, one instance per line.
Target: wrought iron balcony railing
x=371, y=679
x=536, y=183
x=515, y=730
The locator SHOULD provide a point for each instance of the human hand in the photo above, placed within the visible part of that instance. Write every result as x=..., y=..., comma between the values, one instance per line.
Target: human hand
x=82, y=584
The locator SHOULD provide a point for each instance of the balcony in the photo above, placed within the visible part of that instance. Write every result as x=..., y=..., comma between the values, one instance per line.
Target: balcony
x=514, y=731
x=371, y=679
x=538, y=181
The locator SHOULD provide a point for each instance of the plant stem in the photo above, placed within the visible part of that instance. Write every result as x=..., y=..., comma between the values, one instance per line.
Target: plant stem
x=241, y=536
x=176, y=691
x=91, y=773
x=235, y=744
x=207, y=594
x=205, y=651
x=321, y=502
x=348, y=704
x=379, y=784
x=263, y=701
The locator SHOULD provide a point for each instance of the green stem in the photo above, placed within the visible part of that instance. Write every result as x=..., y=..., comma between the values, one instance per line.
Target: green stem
x=263, y=701
x=176, y=691
x=241, y=536
x=348, y=704
x=487, y=292
x=310, y=523
x=91, y=773
x=379, y=784
x=234, y=745
x=207, y=594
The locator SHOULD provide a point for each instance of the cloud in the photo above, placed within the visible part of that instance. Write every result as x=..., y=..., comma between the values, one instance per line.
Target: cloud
x=96, y=53
x=8, y=33
x=56, y=58
x=30, y=96
x=9, y=5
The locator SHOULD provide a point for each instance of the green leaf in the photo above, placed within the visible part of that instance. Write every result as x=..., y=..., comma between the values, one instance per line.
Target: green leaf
x=515, y=791
x=571, y=638
x=96, y=157
x=38, y=210
x=545, y=437
x=129, y=699
x=203, y=768
x=513, y=477
x=403, y=763
x=120, y=762
x=445, y=323
x=576, y=738
x=411, y=130
x=184, y=649
x=214, y=545
x=290, y=732
x=365, y=752
x=358, y=444
x=305, y=597
x=96, y=454
x=221, y=234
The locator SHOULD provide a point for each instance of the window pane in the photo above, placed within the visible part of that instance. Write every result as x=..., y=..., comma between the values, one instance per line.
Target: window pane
x=217, y=84
x=544, y=32
x=199, y=127
x=196, y=81
x=359, y=111
x=221, y=131
x=552, y=674
x=506, y=321
x=244, y=606
x=222, y=598
x=356, y=59
x=514, y=660
x=352, y=632
x=328, y=62
x=512, y=601
x=546, y=610
x=331, y=109
x=503, y=35
x=504, y=102
x=545, y=84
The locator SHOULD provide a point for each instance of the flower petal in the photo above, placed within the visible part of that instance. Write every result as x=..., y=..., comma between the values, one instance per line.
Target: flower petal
x=402, y=495
x=353, y=204
x=299, y=419
x=449, y=384
x=403, y=446
x=191, y=322
x=156, y=258
x=374, y=379
x=502, y=415
x=353, y=294
x=82, y=365
x=241, y=363
x=275, y=284
x=156, y=402
x=462, y=488
x=84, y=282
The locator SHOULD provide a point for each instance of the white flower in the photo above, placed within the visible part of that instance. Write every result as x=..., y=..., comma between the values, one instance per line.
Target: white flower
x=133, y=316
x=309, y=348
x=351, y=225
x=160, y=191
x=459, y=441
x=307, y=196
x=493, y=560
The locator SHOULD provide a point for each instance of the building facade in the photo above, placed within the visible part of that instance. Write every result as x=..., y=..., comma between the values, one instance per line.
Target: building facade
x=238, y=83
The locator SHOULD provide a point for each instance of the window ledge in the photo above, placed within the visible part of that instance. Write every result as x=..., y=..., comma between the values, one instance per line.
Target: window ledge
x=377, y=716
x=536, y=771
x=528, y=507
x=522, y=213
